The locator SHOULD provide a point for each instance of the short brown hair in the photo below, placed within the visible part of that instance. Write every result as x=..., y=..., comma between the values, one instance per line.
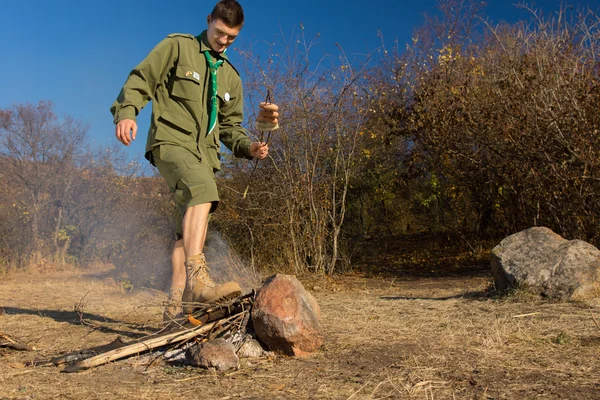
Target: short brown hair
x=230, y=12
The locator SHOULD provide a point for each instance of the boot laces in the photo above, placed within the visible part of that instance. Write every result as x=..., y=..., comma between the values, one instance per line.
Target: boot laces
x=200, y=273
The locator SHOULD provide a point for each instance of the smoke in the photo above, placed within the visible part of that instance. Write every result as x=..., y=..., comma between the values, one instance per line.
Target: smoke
x=225, y=265
x=145, y=260
x=138, y=244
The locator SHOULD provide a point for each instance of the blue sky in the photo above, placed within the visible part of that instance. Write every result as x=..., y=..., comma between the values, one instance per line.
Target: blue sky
x=77, y=53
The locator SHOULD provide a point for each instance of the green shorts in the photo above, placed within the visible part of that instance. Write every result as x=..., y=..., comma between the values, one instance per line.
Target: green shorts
x=191, y=180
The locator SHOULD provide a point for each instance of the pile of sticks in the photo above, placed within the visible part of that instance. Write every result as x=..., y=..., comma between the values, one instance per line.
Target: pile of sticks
x=206, y=323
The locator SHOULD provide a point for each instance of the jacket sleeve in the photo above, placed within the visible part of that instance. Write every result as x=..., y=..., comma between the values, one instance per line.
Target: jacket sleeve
x=231, y=132
x=141, y=84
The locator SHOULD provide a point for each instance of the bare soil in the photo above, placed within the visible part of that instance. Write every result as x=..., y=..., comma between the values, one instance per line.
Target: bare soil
x=387, y=337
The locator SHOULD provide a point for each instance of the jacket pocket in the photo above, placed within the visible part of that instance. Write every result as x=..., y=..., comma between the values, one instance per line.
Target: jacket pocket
x=174, y=127
x=225, y=97
x=186, y=83
x=213, y=156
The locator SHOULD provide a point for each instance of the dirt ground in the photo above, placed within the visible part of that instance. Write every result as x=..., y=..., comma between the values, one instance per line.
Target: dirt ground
x=444, y=337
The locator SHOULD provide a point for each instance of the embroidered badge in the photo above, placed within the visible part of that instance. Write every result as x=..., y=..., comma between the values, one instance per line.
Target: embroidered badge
x=188, y=73
x=227, y=97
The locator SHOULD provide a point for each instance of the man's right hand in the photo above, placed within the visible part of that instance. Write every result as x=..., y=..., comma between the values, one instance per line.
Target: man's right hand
x=125, y=131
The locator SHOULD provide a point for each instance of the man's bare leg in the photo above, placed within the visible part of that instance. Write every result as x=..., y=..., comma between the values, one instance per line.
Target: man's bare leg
x=178, y=266
x=173, y=308
x=199, y=286
x=195, y=226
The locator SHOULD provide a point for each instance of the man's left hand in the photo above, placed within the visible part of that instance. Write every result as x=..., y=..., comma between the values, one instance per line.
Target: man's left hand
x=259, y=150
x=268, y=117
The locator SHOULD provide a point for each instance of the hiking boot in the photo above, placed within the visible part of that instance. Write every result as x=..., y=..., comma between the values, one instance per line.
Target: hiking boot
x=199, y=288
x=173, y=311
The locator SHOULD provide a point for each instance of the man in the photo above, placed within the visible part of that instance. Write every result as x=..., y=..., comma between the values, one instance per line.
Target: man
x=197, y=103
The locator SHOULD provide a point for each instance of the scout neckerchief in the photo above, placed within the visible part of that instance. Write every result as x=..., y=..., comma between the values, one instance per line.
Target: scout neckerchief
x=212, y=120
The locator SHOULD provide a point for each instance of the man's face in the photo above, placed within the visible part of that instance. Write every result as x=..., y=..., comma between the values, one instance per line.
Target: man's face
x=219, y=35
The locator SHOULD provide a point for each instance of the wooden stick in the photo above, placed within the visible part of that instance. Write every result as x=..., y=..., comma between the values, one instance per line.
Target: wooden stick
x=526, y=315
x=7, y=341
x=594, y=319
x=140, y=347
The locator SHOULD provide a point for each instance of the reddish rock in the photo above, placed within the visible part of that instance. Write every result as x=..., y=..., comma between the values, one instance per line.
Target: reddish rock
x=286, y=317
x=216, y=353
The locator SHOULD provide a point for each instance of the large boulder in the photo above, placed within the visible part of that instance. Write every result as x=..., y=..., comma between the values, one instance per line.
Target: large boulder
x=286, y=317
x=543, y=262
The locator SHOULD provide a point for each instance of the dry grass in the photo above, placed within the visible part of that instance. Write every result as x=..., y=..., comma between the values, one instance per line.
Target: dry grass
x=416, y=339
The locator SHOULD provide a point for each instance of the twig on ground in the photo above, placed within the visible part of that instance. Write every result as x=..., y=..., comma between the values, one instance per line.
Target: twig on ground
x=226, y=326
x=594, y=319
x=79, y=307
x=377, y=388
x=394, y=386
x=526, y=315
x=359, y=389
x=21, y=373
x=190, y=379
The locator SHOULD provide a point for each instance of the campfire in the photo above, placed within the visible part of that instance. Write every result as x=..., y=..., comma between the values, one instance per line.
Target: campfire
x=281, y=316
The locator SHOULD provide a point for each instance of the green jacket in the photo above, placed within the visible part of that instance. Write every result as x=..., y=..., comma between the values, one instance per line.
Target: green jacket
x=176, y=77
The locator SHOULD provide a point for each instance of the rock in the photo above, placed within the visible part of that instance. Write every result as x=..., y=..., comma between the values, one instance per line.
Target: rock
x=286, y=317
x=251, y=349
x=217, y=354
x=541, y=261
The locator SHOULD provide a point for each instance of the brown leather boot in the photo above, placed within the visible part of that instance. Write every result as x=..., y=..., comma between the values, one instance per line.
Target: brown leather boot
x=173, y=311
x=199, y=288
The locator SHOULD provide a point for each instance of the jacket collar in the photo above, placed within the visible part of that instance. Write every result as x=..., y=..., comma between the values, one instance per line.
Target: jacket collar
x=202, y=39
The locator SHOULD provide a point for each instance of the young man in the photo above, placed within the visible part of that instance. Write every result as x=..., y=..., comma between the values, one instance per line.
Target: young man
x=197, y=103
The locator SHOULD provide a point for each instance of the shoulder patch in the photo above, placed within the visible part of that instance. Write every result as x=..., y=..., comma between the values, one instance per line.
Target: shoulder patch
x=185, y=35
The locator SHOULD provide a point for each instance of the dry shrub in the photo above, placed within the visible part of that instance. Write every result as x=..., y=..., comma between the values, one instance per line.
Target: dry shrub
x=499, y=124
x=287, y=212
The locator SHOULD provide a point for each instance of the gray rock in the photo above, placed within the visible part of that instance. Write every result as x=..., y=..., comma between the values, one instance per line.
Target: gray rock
x=543, y=262
x=286, y=317
x=251, y=349
x=217, y=354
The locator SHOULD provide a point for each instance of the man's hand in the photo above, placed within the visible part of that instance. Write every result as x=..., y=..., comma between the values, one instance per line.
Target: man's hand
x=259, y=150
x=267, y=119
x=125, y=131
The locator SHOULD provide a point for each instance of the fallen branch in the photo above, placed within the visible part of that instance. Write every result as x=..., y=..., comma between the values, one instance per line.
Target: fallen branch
x=7, y=341
x=87, y=353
